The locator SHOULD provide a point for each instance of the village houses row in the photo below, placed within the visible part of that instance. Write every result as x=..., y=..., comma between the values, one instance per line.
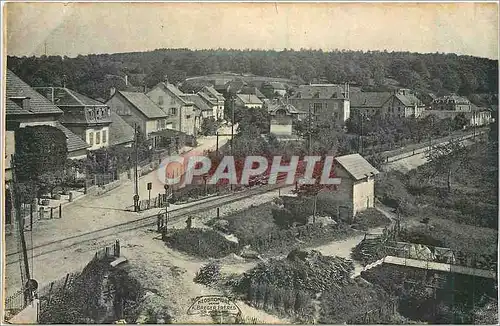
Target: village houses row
x=164, y=111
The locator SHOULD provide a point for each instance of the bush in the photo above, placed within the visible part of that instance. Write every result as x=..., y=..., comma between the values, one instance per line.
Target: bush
x=208, y=274
x=201, y=243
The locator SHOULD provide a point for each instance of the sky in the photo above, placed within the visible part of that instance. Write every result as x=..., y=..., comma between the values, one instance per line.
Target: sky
x=81, y=28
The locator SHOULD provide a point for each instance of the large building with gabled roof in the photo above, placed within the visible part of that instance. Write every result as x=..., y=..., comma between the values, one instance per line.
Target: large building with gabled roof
x=138, y=110
x=87, y=118
x=27, y=107
x=181, y=112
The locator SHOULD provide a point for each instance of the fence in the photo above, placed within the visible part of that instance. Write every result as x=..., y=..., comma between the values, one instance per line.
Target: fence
x=66, y=284
x=442, y=255
x=155, y=202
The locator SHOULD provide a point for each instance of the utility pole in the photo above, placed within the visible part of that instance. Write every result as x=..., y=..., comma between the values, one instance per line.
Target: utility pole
x=361, y=136
x=309, y=133
x=25, y=274
x=232, y=124
x=136, y=174
x=45, y=48
x=217, y=144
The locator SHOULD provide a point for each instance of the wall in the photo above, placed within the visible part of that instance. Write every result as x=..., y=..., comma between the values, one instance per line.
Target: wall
x=344, y=192
x=10, y=146
x=38, y=121
x=220, y=110
x=77, y=155
x=363, y=194
x=97, y=132
x=339, y=109
x=168, y=102
x=281, y=129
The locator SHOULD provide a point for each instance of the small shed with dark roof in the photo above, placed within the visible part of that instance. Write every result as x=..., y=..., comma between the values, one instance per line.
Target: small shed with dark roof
x=357, y=187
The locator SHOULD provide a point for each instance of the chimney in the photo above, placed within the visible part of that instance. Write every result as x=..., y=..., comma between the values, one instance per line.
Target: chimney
x=165, y=79
x=145, y=89
x=126, y=80
x=112, y=91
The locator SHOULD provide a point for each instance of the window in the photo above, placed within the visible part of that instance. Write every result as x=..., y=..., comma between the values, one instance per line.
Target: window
x=97, y=137
x=317, y=106
x=188, y=116
x=157, y=124
x=172, y=100
x=160, y=100
x=91, y=138
x=173, y=111
x=104, y=136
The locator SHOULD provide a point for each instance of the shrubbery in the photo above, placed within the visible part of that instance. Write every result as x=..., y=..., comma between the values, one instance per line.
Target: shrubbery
x=208, y=274
x=288, y=285
x=201, y=243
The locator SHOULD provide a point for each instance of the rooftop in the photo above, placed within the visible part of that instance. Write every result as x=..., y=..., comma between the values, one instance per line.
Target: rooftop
x=356, y=166
x=197, y=100
x=144, y=104
x=62, y=96
x=120, y=131
x=319, y=91
x=368, y=99
x=249, y=99
x=73, y=142
x=16, y=88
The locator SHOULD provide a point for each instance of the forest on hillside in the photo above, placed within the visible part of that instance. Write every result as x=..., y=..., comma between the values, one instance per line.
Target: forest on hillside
x=94, y=75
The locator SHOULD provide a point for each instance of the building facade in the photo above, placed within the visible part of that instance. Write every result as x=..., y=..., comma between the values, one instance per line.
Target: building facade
x=181, y=113
x=357, y=187
x=451, y=103
x=323, y=102
x=215, y=100
x=137, y=109
x=403, y=103
x=87, y=118
x=282, y=116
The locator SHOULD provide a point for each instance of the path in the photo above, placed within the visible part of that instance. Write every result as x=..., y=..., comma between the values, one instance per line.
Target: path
x=91, y=213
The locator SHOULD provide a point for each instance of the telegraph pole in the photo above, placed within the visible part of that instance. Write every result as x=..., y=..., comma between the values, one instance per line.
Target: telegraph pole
x=136, y=174
x=25, y=274
x=309, y=133
x=232, y=125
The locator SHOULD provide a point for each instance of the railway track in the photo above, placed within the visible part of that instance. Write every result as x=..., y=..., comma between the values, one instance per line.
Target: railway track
x=139, y=223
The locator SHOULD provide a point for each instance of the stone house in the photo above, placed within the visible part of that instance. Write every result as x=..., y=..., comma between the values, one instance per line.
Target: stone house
x=368, y=103
x=86, y=117
x=137, y=109
x=181, y=113
x=323, y=101
x=356, y=191
x=403, y=103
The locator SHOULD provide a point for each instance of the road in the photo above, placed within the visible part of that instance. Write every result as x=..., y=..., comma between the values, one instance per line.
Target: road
x=90, y=215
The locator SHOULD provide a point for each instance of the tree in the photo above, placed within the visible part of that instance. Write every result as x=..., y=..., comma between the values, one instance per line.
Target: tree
x=41, y=157
x=460, y=121
x=447, y=159
x=209, y=127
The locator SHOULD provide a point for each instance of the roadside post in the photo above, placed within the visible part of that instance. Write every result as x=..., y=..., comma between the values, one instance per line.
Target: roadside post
x=136, y=203
x=164, y=230
x=150, y=186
